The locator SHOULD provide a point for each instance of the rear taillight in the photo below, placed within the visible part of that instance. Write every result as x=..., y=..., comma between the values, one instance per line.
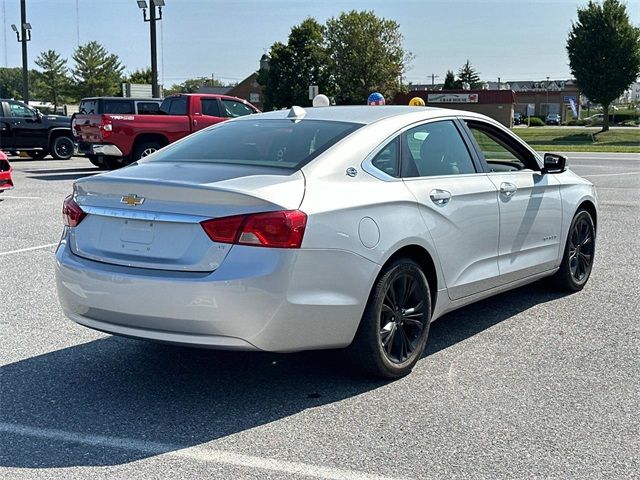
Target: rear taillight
x=72, y=214
x=106, y=127
x=281, y=229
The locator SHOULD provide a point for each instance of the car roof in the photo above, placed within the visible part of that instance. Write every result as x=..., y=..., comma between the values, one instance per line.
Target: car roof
x=363, y=114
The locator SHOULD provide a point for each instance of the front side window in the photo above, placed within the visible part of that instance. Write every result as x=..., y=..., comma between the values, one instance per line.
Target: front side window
x=435, y=149
x=269, y=143
x=18, y=109
x=501, y=153
x=236, y=109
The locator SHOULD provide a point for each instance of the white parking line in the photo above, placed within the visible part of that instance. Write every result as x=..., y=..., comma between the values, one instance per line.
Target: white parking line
x=21, y=198
x=29, y=249
x=610, y=174
x=193, y=453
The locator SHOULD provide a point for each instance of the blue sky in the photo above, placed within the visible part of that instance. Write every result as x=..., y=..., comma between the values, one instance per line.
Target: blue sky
x=511, y=39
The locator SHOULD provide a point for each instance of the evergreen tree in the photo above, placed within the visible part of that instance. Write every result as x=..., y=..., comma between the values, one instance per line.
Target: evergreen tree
x=97, y=72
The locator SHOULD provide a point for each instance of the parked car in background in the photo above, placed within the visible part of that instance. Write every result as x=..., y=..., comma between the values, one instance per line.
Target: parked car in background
x=517, y=118
x=114, y=140
x=25, y=129
x=552, y=119
x=322, y=228
x=6, y=182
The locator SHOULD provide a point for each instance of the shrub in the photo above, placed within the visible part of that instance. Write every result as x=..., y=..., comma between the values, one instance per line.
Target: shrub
x=578, y=123
x=533, y=122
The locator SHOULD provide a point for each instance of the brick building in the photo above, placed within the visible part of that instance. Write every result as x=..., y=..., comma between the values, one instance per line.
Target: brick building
x=497, y=104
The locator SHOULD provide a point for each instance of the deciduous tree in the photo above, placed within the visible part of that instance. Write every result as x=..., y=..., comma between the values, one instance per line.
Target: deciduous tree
x=604, y=52
x=366, y=53
x=294, y=67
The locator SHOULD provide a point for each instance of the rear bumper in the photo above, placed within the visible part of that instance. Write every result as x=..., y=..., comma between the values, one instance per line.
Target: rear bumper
x=263, y=299
x=97, y=149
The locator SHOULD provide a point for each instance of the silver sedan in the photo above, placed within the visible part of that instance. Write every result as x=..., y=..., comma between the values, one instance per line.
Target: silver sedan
x=321, y=228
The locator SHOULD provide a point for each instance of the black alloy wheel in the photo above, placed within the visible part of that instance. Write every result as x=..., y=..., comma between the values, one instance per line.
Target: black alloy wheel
x=581, y=249
x=62, y=148
x=394, y=327
x=579, y=252
x=403, y=317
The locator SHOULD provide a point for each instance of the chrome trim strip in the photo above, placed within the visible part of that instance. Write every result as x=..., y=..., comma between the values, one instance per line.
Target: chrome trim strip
x=143, y=215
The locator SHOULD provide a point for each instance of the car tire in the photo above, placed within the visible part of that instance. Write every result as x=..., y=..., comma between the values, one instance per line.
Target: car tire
x=145, y=148
x=394, y=328
x=579, y=252
x=38, y=154
x=112, y=163
x=62, y=148
x=95, y=161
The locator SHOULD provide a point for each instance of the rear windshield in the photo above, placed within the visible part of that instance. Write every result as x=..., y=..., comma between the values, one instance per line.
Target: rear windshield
x=272, y=143
x=89, y=107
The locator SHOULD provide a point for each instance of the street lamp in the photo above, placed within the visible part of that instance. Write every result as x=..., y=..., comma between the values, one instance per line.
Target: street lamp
x=23, y=35
x=152, y=19
x=548, y=109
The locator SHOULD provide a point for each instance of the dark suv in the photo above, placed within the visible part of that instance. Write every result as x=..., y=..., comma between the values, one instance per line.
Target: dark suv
x=25, y=129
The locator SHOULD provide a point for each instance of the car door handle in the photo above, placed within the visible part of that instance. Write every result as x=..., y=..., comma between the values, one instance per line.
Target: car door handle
x=440, y=197
x=507, y=189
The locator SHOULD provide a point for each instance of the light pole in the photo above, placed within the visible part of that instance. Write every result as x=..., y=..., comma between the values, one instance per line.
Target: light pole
x=152, y=19
x=24, y=35
x=548, y=109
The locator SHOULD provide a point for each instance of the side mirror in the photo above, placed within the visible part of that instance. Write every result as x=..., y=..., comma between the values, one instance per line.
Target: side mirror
x=554, y=163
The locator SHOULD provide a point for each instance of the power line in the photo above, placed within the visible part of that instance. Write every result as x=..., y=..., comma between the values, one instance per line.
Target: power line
x=4, y=31
x=77, y=24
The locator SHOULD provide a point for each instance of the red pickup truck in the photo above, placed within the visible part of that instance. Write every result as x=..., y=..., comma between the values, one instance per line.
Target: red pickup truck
x=114, y=140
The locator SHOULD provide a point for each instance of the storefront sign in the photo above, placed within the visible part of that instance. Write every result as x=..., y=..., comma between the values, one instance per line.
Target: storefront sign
x=452, y=98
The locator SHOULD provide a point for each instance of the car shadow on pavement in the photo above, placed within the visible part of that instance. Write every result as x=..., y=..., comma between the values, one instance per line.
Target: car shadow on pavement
x=179, y=397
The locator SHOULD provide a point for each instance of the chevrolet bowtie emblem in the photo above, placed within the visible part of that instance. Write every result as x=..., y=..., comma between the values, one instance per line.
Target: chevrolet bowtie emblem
x=132, y=200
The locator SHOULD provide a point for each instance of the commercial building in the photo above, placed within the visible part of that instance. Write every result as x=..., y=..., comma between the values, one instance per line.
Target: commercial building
x=497, y=104
x=544, y=97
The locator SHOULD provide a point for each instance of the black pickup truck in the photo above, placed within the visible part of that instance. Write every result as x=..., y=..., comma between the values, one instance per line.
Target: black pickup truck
x=25, y=129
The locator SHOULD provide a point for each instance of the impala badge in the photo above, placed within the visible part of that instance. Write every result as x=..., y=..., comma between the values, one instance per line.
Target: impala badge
x=132, y=200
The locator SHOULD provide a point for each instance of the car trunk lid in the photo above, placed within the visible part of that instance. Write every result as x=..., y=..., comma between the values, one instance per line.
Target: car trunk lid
x=149, y=215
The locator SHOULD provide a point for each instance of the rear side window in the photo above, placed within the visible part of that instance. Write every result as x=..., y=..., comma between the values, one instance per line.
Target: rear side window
x=269, y=143
x=118, y=106
x=387, y=159
x=148, y=108
x=88, y=107
x=435, y=149
x=236, y=109
x=211, y=107
x=174, y=106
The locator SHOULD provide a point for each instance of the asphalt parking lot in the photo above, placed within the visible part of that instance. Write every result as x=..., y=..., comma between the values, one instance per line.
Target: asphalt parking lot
x=528, y=384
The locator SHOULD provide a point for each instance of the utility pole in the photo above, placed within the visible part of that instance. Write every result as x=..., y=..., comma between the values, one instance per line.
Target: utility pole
x=498, y=83
x=433, y=79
